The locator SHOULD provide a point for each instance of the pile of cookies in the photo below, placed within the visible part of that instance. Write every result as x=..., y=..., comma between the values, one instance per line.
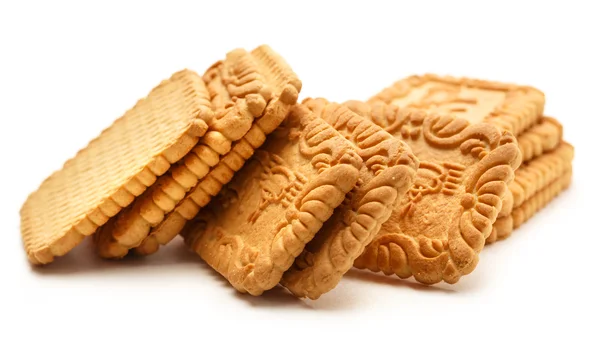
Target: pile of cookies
x=413, y=182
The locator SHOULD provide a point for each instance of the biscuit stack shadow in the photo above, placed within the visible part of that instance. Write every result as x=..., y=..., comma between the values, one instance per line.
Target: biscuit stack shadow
x=268, y=191
x=547, y=158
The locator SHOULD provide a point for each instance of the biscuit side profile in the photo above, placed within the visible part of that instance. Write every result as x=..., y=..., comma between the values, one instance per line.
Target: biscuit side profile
x=247, y=90
x=538, y=201
x=115, y=167
x=543, y=137
x=437, y=230
x=286, y=89
x=531, y=178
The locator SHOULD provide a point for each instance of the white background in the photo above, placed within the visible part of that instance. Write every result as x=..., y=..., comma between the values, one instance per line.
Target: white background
x=67, y=70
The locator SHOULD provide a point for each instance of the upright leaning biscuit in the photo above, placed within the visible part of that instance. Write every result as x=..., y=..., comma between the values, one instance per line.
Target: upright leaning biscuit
x=439, y=227
x=243, y=87
x=509, y=107
x=286, y=88
x=276, y=204
x=115, y=167
x=387, y=172
x=543, y=137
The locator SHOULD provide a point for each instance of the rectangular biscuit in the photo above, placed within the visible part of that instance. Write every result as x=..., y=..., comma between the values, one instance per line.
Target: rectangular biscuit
x=436, y=231
x=249, y=91
x=531, y=178
x=252, y=232
x=531, y=206
x=544, y=136
x=510, y=107
x=115, y=167
x=388, y=170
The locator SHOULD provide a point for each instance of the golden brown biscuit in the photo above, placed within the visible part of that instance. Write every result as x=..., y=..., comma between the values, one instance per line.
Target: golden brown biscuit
x=532, y=177
x=244, y=86
x=510, y=107
x=437, y=230
x=543, y=137
x=540, y=199
x=536, y=174
x=388, y=171
x=115, y=167
x=201, y=195
x=276, y=203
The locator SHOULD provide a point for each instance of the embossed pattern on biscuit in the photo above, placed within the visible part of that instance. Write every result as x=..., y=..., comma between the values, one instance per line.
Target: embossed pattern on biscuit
x=278, y=201
x=243, y=87
x=541, y=138
x=439, y=227
x=509, y=107
x=115, y=167
x=387, y=172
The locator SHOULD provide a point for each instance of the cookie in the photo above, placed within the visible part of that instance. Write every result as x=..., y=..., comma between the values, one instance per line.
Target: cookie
x=536, y=174
x=532, y=177
x=503, y=225
x=276, y=203
x=541, y=138
x=510, y=107
x=388, y=170
x=244, y=87
x=540, y=199
x=115, y=167
x=439, y=227
x=503, y=228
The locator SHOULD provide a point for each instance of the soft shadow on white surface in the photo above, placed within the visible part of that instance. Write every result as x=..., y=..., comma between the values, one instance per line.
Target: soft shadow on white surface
x=394, y=281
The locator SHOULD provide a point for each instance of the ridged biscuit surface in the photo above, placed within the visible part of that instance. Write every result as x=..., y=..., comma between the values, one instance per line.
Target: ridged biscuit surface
x=530, y=179
x=115, y=167
x=276, y=203
x=436, y=230
x=509, y=107
x=286, y=86
x=388, y=170
x=243, y=87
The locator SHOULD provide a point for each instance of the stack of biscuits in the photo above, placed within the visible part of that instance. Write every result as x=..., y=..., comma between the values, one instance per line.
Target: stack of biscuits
x=413, y=182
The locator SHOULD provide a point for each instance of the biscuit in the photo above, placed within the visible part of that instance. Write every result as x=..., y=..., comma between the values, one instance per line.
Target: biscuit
x=276, y=204
x=243, y=87
x=510, y=107
x=532, y=177
x=438, y=228
x=540, y=199
x=541, y=138
x=503, y=225
x=388, y=171
x=207, y=188
x=115, y=167
x=536, y=174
